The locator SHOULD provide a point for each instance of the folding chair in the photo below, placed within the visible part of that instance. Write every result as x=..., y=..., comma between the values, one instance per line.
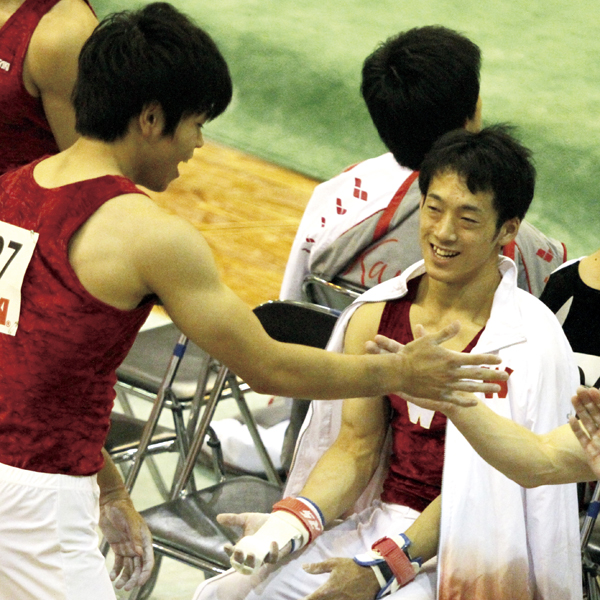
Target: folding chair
x=590, y=548
x=332, y=294
x=336, y=295
x=185, y=528
x=142, y=374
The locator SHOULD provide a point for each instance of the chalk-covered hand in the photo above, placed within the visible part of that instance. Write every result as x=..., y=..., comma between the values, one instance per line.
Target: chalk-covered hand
x=293, y=523
x=130, y=540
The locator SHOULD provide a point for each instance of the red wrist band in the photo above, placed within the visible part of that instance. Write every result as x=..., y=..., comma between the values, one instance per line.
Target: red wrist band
x=309, y=518
x=397, y=560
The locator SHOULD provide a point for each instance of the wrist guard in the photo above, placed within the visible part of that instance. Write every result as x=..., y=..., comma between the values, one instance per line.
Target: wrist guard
x=307, y=512
x=391, y=563
x=293, y=523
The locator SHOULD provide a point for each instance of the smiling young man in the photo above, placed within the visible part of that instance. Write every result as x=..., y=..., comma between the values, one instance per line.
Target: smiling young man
x=85, y=254
x=498, y=540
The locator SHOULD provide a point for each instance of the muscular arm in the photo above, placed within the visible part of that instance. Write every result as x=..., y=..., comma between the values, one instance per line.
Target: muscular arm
x=525, y=457
x=216, y=319
x=130, y=248
x=50, y=66
x=343, y=472
x=339, y=477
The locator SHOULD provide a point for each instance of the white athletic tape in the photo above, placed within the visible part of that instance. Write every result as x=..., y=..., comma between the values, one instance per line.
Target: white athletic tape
x=282, y=528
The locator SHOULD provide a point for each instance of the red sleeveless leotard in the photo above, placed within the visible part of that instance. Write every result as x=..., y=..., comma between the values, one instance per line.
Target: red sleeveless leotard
x=58, y=372
x=415, y=474
x=25, y=134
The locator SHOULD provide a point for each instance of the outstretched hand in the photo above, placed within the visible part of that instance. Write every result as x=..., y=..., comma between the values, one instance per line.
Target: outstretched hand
x=348, y=581
x=130, y=540
x=587, y=406
x=439, y=375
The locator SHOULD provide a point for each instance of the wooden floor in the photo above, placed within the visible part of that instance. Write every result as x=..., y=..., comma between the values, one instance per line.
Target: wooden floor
x=247, y=209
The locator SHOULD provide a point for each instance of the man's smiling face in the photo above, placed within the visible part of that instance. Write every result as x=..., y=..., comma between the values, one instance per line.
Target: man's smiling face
x=458, y=234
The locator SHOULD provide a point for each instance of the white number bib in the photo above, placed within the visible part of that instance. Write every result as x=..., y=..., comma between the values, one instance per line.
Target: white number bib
x=16, y=249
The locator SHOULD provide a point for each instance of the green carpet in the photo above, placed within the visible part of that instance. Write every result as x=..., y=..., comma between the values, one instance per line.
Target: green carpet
x=296, y=68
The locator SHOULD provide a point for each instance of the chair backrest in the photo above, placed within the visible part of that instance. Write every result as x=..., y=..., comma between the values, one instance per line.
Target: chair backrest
x=297, y=322
x=284, y=320
x=144, y=366
x=326, y=293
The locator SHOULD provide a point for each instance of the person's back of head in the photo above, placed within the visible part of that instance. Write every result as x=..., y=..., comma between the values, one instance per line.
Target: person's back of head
x=491, y=160
x=135, y=58
x=419, y=85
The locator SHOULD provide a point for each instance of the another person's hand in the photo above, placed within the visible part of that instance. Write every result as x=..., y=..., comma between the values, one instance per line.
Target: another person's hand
x=130, y=540
x=587, y=406
x=439, y=375
x=348, y=581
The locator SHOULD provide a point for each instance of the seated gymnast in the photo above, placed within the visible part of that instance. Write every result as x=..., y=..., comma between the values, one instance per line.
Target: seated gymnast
x=85, y=255
x=495, y=541
x=417, y=85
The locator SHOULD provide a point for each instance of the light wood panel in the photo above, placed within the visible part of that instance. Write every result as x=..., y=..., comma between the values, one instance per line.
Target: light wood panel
x=247, y=209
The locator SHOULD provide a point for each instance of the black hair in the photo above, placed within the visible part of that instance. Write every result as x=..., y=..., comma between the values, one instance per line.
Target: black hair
x=492, y=160
x=419, y=85
x=154, y=54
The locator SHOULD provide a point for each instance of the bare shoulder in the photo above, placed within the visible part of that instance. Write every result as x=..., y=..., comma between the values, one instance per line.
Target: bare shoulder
x=161, y=246
x=589, y=270
x=130, y=248
x=362, y=327
x=142, y=225
x=58, y=39
x=66, y=25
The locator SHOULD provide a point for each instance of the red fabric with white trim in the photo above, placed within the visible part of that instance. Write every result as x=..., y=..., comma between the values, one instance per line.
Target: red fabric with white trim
x=396, y=559
x=309, y=518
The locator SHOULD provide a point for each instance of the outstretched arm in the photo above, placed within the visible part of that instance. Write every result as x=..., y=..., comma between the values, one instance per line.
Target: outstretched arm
x=124, y=529
x=527, y=458
x=205, y=309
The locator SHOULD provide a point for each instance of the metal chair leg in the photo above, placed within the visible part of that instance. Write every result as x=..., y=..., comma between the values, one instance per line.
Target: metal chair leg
x=248, y=418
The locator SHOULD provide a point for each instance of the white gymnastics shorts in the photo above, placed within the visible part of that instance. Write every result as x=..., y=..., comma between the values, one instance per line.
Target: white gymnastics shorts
x=48, y=540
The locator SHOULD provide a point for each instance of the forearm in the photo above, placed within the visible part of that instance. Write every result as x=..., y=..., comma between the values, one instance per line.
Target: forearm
x=527, y=458
x=304, y=372
x=110, y=481
x=424, y=533
x=338, y=480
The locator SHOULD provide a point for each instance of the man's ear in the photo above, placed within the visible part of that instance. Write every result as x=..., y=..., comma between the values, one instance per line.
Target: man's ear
x=508, y=231
x=152, y=120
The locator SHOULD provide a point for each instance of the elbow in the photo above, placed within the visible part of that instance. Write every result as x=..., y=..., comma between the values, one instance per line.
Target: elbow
x=260, y=384
x=535, y=477
x=265, y=381
x=529, y=482
x=263, y=386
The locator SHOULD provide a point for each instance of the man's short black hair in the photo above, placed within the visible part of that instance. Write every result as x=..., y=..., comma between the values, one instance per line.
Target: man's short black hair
x=492, y=160
x=135, y=58
x=419, y=85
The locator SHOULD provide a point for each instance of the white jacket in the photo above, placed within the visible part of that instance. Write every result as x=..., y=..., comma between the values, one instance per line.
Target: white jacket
x=498, y=541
